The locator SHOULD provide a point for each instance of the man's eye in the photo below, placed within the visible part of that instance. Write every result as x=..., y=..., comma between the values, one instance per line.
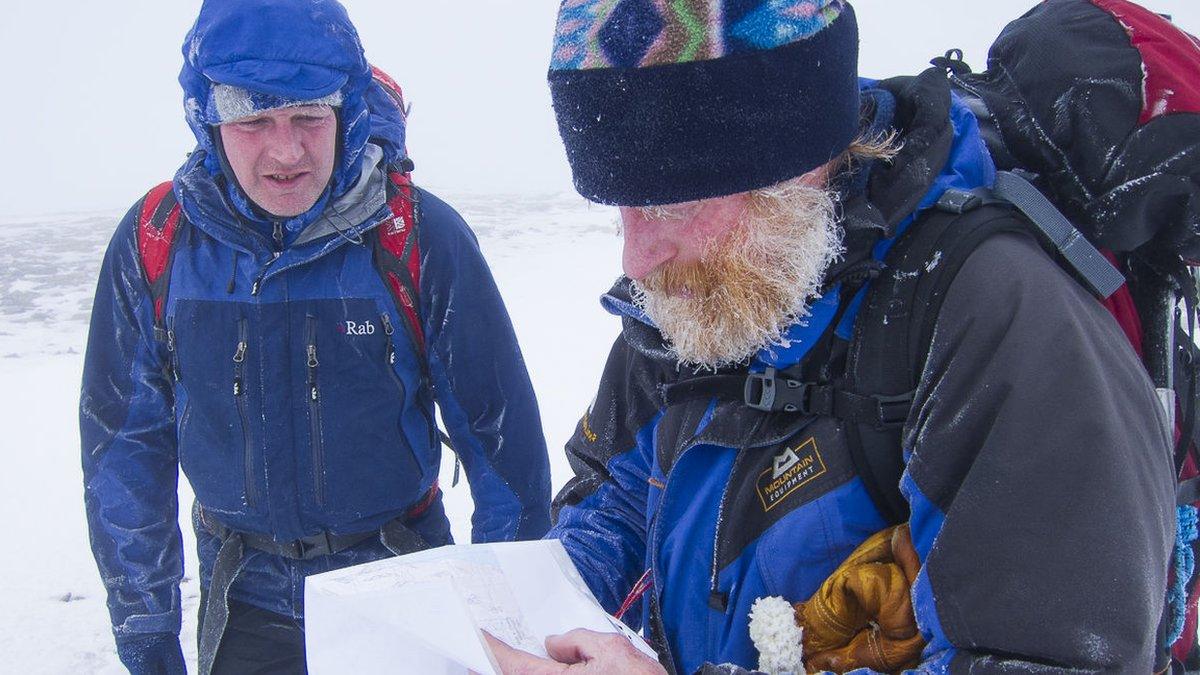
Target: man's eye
x=252, y=124
x=312, y=120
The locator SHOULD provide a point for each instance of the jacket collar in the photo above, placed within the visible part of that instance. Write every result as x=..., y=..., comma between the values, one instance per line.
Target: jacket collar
x=207, y=207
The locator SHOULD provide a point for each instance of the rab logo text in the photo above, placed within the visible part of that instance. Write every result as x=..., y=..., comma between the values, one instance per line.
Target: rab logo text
x=356, y=328
x=790, y=470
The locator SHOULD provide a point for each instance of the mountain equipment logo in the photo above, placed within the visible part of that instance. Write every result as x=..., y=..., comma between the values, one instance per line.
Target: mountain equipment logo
x=790, y=469
x=356, y=328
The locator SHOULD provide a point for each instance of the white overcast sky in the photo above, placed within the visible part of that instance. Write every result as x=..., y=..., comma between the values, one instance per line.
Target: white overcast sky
x=91, y=116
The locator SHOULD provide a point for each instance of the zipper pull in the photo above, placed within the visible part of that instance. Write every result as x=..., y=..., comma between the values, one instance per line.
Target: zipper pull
x=387, y=324
x=254, y=288
x=277, y=234
x=240, y=354
x=457, y=468
x=170, y=340
x=312, y=356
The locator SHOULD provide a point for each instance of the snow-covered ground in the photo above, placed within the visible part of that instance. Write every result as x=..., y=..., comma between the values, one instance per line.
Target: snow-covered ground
x=552, y=256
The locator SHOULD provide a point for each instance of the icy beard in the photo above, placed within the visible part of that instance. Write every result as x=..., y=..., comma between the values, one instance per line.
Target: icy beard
x=751, y=284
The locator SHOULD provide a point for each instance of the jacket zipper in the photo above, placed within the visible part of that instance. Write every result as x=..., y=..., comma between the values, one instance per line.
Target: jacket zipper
x=277, y=237
x=171, y=348
x=657, y=627
x=717, y=600
x=390, y=356
x=239, y=396
x=314, y=410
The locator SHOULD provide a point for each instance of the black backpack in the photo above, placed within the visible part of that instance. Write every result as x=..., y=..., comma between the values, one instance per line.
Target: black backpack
x=1091, y=110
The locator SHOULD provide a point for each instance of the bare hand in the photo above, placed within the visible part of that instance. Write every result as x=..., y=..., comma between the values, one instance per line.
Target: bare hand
x=579, y=652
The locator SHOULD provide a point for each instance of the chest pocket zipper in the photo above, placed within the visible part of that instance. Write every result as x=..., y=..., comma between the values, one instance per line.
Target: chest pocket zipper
x=239, y=397
x=314, y=409
x=174, y=353
x=390, y=355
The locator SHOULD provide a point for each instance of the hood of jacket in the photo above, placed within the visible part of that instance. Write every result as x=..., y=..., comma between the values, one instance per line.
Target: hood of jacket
x=294, y=50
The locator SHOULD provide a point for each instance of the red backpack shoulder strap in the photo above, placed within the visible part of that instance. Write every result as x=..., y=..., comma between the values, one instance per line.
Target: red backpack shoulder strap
x=158, y=223
x=400, y=255
x=398, y=258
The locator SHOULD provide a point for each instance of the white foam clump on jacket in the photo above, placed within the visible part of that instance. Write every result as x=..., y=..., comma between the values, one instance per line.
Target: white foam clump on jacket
x=776, y=636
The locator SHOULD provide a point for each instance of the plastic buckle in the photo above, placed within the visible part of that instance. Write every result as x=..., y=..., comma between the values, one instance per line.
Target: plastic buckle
x=958, y=201
x=768, y=393
x=759, y=392
x=892, y=410
x=319, y=544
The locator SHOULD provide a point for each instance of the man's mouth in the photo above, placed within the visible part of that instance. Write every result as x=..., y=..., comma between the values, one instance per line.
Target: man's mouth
x=284, y=180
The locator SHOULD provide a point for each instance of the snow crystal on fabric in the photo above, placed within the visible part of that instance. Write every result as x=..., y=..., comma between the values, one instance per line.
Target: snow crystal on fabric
x=235, y=103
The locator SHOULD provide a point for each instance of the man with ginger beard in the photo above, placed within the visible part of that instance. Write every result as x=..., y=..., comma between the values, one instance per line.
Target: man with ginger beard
x=760, y=185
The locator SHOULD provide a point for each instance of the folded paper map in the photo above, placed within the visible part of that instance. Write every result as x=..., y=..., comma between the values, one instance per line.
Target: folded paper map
x=425, y=612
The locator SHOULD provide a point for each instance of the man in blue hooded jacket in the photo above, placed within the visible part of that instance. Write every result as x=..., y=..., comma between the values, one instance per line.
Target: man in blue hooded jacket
x=283, y=381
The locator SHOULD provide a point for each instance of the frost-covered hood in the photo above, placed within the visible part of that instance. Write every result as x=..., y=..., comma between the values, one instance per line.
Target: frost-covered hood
x=294, y=50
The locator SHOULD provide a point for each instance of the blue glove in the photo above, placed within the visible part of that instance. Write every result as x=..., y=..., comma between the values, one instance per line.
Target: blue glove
x=151, y=654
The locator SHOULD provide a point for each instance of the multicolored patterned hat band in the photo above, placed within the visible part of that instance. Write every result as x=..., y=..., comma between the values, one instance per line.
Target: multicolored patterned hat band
x=664, y=101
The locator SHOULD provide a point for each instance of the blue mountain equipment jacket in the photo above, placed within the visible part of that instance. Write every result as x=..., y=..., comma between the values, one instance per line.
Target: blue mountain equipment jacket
x=1038, y=463
x=275, y=391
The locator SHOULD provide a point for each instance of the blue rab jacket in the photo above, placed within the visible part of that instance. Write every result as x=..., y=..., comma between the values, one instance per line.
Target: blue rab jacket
x=287, y=389
x=1038, y=467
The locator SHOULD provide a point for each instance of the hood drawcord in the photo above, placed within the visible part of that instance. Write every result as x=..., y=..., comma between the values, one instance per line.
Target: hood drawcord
x=357, y=238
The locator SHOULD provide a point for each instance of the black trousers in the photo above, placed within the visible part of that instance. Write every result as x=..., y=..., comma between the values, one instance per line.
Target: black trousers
x=257, y=642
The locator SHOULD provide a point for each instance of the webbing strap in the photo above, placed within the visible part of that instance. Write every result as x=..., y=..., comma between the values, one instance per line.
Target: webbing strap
x=1093, y=268
x=228, y=564
x=398, y=258
x=1188, y=492
x=158, y=223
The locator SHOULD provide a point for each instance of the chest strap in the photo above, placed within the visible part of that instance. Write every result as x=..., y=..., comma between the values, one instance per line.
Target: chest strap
x=776, y=391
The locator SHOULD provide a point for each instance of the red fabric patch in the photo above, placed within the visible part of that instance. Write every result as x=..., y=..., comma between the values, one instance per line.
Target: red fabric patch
x=1170, y=60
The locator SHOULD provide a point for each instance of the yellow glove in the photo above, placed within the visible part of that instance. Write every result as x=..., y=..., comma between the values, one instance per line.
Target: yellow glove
x=862, y=616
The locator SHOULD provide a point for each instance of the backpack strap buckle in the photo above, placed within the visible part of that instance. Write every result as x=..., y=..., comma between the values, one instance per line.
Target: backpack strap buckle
x=892, y=410
x=760, y=390
x=768, y=392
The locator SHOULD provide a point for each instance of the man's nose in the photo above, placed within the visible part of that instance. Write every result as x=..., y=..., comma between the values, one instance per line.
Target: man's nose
x=286, y=144
x=647, y=244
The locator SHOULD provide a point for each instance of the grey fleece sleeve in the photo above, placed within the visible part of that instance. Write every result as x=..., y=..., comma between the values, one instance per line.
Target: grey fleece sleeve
x=1040, y=477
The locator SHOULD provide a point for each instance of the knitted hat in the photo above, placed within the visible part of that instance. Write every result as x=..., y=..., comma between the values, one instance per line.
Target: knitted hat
x=665, y=101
